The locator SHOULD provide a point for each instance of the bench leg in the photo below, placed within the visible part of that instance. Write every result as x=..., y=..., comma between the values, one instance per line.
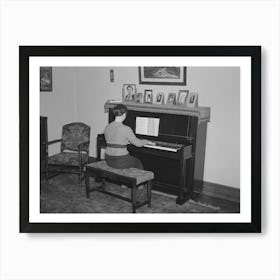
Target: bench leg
x=87, y=185
x=103, y=183
x=80, y=179
x=149, y=193
x=133, y=198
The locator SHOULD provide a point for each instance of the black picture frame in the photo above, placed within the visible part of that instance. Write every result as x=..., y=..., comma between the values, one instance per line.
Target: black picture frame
x=254, y=52
x=180, y=74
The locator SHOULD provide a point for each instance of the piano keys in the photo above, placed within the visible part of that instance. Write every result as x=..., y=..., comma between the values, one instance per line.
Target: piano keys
x=177, y=156
x=163, y=146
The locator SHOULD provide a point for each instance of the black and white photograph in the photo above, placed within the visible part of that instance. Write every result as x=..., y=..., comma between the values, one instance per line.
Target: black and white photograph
x=128, y=92
x=102, y=152
x=159, y=98
x=182, y=97
x=171, y=99
x=70, y=169
x=148, y=96
x=139, y=97
x=192, y=99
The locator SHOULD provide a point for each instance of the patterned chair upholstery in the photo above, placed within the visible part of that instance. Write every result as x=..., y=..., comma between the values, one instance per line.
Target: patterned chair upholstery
x=74, y=150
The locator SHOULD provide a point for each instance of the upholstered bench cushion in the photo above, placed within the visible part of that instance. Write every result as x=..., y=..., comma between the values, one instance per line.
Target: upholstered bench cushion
x=141, y=176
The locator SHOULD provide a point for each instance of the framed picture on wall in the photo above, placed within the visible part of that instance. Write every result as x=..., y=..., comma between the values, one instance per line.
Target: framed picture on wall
x=163, y=75
x=46, y=82
x=182, y=173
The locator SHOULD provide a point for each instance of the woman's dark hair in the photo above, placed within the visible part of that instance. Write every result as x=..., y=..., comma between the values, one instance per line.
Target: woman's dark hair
x=119, y=110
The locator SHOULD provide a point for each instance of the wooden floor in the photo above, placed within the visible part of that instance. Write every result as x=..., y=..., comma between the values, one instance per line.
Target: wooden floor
x=225, y=206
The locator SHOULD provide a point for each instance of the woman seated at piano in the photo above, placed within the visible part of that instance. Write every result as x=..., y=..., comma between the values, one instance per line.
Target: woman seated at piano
x=118, y=136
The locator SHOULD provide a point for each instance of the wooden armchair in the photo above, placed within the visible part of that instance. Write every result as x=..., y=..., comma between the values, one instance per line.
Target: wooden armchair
x=74, y=151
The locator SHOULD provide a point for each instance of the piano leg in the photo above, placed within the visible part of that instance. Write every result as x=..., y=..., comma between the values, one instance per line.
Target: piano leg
x=182, y=198
x=184, y=191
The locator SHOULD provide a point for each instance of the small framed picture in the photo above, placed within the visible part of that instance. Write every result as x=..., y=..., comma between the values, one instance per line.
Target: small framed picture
x=192, y=99
x=46, y=83
x=128, y=92
x=182, y=97
x=148, y=96
x=160, y=98
x=139, y=97
x=171, y=100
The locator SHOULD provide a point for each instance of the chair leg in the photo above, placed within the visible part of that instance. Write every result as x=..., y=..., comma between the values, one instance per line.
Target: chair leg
x=87, y=185
x=81, y=171
x=47, y=171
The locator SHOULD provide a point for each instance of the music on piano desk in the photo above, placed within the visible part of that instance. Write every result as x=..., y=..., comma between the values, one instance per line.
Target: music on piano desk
x=147, y=126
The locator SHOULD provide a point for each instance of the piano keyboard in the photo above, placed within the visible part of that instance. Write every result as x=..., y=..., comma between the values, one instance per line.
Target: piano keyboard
x=171, y=147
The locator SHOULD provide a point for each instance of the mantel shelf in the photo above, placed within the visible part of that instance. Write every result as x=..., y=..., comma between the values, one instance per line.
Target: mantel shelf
x=203, y=113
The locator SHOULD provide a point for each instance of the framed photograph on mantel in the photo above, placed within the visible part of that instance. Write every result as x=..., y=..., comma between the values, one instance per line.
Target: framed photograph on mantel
x=182, y=97
x=164, y=75
x=191, y=176
x=171, y=99
x=159, y=98
x=148, y=96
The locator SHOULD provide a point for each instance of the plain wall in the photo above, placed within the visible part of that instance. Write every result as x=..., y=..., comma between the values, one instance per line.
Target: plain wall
x=218, y=88
x=60, y=105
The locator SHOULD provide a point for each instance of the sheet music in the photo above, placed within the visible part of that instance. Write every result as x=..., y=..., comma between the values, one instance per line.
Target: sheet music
x=147, y=126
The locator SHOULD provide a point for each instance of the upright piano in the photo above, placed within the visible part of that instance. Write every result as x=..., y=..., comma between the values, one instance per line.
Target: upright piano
x=177, y=158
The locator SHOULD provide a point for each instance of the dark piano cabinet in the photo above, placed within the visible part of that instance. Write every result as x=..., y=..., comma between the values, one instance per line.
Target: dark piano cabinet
x=180, y=172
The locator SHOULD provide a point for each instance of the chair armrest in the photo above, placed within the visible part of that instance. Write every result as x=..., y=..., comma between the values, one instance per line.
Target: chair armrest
x=80, y=150
x=54, y=141
x=83, y=144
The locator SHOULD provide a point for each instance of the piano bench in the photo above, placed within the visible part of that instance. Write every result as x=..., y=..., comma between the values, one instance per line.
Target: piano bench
x=131, y=177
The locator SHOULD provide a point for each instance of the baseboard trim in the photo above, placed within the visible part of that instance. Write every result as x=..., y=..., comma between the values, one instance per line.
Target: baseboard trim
x=220, y=191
